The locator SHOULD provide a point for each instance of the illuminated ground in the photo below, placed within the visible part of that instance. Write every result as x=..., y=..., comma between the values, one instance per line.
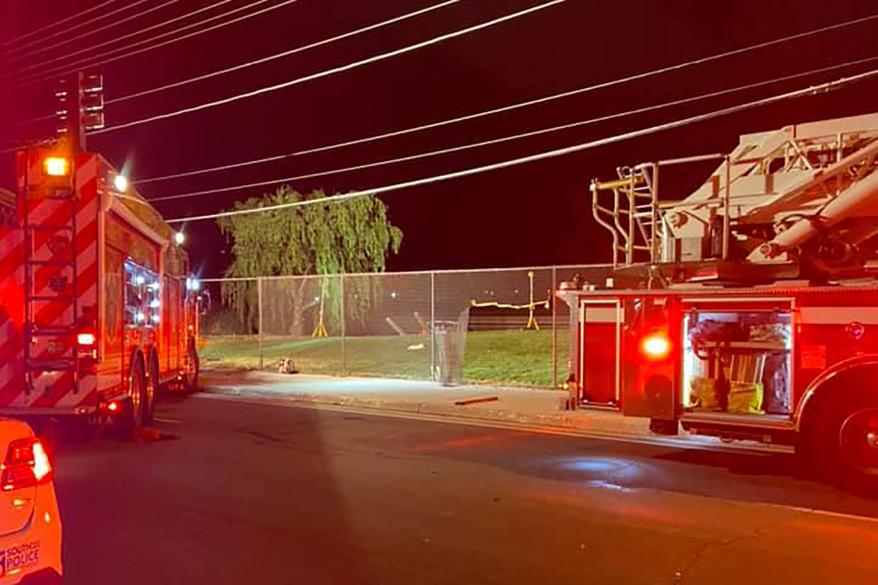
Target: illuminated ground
x=494, y=357
x=250, y=493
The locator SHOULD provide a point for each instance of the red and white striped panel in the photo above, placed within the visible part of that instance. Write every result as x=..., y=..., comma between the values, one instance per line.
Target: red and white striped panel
x=57, y=388
x=11, y=313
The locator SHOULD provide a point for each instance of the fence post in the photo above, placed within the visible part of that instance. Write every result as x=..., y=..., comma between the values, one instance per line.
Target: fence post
x=432, y=325
x=344, y=355
x=261, y=332
x=553, y=300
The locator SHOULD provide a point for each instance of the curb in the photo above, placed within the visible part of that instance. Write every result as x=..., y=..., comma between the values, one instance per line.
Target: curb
x=586, y=421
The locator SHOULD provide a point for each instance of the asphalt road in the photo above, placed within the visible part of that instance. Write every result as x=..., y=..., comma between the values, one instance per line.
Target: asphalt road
x=243, y=493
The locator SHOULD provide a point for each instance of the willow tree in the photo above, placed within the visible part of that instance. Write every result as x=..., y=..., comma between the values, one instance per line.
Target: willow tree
x=351, y=236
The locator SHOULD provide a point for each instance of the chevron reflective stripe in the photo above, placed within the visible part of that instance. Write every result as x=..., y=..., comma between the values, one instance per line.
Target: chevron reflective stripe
x=61, y=390
x=11, y=313
x=53, y=241
x=11, y=361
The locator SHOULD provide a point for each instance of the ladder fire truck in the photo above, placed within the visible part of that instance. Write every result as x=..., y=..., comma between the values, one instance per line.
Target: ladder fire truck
x=97, y=306
x=749, y=309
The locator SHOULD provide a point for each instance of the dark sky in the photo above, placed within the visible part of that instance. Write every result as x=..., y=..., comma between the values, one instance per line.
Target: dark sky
x=534, y=214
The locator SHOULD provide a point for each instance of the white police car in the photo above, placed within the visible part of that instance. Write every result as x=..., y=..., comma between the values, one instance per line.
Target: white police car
x=30, y=526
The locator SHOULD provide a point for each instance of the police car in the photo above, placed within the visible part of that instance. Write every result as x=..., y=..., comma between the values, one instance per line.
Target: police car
x=30, y=526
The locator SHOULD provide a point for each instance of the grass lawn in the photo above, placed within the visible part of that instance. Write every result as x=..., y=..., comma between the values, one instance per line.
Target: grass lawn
x=493, y=357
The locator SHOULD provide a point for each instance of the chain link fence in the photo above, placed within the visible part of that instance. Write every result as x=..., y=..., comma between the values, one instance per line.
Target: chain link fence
x=494, y=326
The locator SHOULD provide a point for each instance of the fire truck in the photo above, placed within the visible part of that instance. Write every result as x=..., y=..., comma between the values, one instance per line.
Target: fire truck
x=98, y=309
x=749, y=308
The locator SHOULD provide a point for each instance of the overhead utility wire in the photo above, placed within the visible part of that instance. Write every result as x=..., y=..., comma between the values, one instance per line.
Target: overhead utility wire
x=87, y=33
x=26, y=122
x=513, y=137
x=42, y=29
x=332, y=71
x=541, y=155
x=511, y=107
x=95, y=60
x=136, y=33
x=286, y=53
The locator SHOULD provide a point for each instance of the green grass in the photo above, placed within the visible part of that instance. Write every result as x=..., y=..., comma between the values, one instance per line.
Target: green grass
x=493, y=357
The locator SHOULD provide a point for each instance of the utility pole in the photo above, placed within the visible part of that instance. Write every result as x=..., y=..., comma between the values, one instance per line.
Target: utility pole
x=80, y=108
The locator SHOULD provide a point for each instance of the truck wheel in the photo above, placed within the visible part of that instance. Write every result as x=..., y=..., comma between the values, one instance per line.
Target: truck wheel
x=847, y=441
x=136, y=395
x=193, y=367
x=151, y=390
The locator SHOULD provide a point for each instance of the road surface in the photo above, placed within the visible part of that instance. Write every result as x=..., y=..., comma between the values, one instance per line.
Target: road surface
x=238, y=493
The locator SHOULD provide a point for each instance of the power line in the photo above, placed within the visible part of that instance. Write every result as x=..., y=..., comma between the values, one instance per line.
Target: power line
x=518, y=136
x=87, y=33
x=542, y=155
x=332, y=71
x=301, y=49
x=92, y=62
x=27, y=122
x=129, y=35
x=518, y=105
x=56, y=23
x=287, y=53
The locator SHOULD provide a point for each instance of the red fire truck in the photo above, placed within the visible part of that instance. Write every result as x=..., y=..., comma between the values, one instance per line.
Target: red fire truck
x=749, y=309
x=97, y=306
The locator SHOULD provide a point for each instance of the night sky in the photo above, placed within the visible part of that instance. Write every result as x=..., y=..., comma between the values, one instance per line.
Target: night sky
x=530, y=215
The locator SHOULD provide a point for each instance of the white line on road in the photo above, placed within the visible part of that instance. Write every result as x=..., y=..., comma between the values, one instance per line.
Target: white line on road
x=167, y=421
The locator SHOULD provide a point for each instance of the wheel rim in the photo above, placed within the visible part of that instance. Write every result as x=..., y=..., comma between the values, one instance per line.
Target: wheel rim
x=150, y=395
x=152, y=387
x=136, y=398
x=858, y=439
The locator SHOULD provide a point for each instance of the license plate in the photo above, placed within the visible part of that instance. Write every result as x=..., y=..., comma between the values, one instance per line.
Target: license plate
x=19, y=556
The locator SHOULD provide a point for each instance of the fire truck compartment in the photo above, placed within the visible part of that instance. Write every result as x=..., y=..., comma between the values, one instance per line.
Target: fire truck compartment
x=737, y=361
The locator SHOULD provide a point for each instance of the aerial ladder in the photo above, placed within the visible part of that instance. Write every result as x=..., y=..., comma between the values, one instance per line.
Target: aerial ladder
x=800, y=202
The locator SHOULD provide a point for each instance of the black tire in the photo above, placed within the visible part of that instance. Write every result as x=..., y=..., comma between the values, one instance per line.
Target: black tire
x=151, y=389
x=845, y=441
x=193, y=368
x=136, y=394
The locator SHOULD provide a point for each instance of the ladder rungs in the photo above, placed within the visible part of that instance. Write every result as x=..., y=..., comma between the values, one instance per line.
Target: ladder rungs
x=71, y=263
x=50, y=331
x=41, y=227
x=70, y=197
x=52, y=365
x=44, y=298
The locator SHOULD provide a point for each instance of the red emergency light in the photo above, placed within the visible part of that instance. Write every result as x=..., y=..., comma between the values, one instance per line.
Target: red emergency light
x=656, y=346
x=86, y=339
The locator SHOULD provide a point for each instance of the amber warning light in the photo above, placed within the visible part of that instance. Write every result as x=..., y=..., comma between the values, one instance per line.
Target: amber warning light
x=656, y=346
x=56, y=166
